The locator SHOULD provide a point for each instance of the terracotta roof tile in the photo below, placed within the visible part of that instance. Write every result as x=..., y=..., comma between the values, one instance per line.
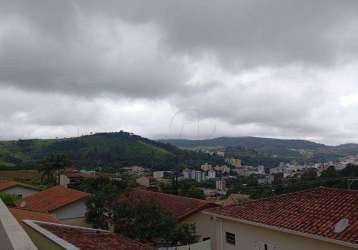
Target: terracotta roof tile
x=180, y=206
x=90, y=239
x=6, y=184
x=22, y=214
x=315, y=212
x=51, y=199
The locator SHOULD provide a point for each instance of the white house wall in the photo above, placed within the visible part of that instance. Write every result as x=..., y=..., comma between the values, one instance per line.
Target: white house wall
x=250, y=237
x=72, y=211
x=18, y=190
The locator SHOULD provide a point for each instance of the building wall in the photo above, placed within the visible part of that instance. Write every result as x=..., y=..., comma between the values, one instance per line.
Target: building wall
x=72, y=211
x=205, y=226
x=250, y=237
x=23, y=191
x=41, y=242
x=64, y=180
x=76, y=222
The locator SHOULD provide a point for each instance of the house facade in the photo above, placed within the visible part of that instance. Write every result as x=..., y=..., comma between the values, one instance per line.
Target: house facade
x=311, y=220
x=16, y=188
x=66, y=204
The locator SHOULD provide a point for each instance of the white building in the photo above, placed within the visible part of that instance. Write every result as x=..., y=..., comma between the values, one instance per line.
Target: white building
x=68, y=205
x=211, y=174
x=17, y=188
x=261, y=169
x=221, y=185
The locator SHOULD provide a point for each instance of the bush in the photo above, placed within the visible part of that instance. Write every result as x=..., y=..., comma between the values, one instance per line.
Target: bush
x=8, y=199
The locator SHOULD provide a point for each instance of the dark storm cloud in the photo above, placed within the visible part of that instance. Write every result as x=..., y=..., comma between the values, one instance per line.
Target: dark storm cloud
x=52, y=45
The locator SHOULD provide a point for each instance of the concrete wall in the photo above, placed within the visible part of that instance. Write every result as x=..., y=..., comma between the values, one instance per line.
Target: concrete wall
x=41, y=242
x=250, y=237
x=12, y=235
x=64, y=180
x=205, y=226
x=18, y=190
x=72, y=211
x=203, y=245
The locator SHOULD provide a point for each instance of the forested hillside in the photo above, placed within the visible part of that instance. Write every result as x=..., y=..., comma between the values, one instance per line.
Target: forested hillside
x=106, y=150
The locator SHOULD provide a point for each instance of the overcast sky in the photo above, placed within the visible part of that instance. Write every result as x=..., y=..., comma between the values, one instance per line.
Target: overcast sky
x=188, y=68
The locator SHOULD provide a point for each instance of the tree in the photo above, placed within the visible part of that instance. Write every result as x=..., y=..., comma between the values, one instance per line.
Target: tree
x=98, y=205
x=52, y=164
x=330, y=172
x=147, y=222
x=187, y=188
x=309, y=175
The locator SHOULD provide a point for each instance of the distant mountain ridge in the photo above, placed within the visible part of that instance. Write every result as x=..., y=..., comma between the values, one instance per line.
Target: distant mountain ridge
x=280, y=149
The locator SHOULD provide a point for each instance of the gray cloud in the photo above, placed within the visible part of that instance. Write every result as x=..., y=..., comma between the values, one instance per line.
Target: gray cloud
x=271, y=68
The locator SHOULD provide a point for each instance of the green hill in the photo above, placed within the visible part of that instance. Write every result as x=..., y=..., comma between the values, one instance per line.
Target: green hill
x=269, y=149
x=106, y=150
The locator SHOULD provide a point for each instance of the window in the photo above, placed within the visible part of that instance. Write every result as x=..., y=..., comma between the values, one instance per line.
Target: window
x=230, y=238
x=264, y=246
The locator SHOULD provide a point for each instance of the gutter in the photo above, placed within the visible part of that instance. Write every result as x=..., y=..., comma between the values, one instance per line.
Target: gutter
x=289, y=231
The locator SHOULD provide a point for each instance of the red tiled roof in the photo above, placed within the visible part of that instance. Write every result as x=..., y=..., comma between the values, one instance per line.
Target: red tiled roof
x=314, y=212
x=5, y=184
x=73, y=173
x=90, y=239
x=51, y=199
x=22, y=214
x=180, y=206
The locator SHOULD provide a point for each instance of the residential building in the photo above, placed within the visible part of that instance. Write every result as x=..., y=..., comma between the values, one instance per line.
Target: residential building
x=134, y=170
x=245, y=170
x=220, y=185
x=186, y=174
x=200, y=176
x=17, y=188
x=225, y=169
x=277, y=170
x=261, y=169
x=147, y=181
x=206, y=167
x=220, y=153
x=211, y=174
x=162, y=174
x=66, y=204
x=73, y=176
x=321, y=218
x=23, y=214
x=266, y=180
x=209, y=192
x=55, y=236
x=234, y=162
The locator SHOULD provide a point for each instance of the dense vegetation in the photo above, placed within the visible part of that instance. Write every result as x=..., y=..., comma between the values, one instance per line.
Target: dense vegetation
x=309, y=179
x=105, y=150
x=187, y=188
x=8, y=199
x=142, y=220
